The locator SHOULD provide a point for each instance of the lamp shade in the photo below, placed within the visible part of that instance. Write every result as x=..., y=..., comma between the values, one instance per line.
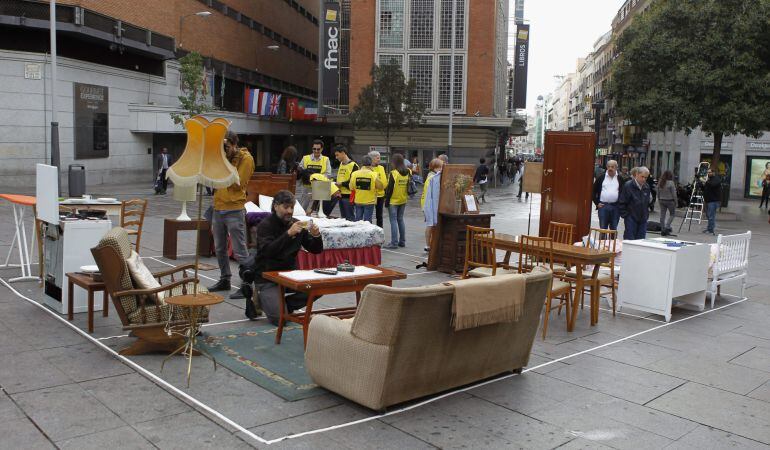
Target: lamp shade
x=321, y=190
x=184, y=193
x=204, y=160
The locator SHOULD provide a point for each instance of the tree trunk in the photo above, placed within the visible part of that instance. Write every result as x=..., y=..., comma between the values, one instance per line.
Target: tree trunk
x=717, y=151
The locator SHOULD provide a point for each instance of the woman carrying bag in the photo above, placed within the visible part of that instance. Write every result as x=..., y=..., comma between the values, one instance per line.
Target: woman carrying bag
x=396, y=196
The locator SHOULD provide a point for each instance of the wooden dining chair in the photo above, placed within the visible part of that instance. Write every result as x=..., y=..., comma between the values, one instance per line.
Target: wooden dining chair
x=132, y=218
x=562, y=233
x=535, y=251
x=481, y=255
x=603, y=240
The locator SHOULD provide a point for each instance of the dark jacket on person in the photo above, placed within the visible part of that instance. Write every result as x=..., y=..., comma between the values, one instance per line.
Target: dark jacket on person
x=481, y=173
x=634, y=201
x=712, y=189
x=598, y=185
x=276, y=250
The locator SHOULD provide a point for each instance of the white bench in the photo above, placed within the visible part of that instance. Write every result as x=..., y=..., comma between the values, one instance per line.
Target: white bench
x=730, y=264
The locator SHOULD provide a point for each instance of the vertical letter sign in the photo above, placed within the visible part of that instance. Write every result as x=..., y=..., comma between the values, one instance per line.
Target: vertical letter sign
x=91, y=123
x=520, y=67
x=330, y=61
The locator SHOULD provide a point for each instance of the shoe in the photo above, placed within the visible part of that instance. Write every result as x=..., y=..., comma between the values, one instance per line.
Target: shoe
x=237, y=295
x=221, y=285
x=253, y=310
x=426, y=249
x=390, y=247
x=402, y=244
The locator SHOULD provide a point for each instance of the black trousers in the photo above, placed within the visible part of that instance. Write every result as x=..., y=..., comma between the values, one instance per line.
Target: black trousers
x=163, y=180
x=378, y=210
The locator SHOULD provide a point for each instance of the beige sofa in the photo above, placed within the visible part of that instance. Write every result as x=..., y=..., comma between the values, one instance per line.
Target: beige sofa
x=401, y=346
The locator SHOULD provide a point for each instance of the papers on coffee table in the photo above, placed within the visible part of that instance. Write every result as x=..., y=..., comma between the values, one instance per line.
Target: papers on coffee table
x=308, y=275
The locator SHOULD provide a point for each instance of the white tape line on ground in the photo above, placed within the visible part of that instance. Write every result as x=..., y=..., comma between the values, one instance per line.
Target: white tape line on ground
x=402, y=253
x=199, y=273
x=420, y=273
x=632, y=315
x=431, y=400
x=149, y=375
x=204, y=325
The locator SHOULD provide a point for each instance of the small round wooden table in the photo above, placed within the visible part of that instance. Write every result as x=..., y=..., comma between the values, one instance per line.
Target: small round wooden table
x=195, y=304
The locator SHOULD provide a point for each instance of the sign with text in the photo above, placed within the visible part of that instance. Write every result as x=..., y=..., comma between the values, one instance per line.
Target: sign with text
x=330, y=55
x=521, y=59
x=92, y=121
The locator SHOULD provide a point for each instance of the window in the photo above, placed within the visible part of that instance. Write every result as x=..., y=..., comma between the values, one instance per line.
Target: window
x=421, y=24
x=391, y=24
x=445, y=65
x=391, y=59
x=421, y=71
x=446, y=24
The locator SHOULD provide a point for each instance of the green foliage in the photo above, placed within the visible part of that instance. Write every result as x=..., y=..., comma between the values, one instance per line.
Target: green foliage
x=388, y=103
x=685, y=64
x=192, y=102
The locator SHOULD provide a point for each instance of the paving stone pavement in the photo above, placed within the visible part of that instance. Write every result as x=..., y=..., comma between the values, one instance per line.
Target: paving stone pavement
x=700, y=383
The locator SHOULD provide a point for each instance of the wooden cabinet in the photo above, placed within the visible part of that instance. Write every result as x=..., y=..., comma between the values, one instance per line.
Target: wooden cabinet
x=567, y=188
x=448, y=249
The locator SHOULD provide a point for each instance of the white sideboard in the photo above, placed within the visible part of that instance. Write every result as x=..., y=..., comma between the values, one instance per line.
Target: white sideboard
x=655, y=275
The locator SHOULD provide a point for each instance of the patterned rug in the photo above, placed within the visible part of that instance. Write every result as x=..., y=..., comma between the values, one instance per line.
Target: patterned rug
x=253, y=355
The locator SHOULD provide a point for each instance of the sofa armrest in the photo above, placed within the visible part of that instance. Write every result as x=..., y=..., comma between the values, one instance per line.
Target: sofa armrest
x=342, y=363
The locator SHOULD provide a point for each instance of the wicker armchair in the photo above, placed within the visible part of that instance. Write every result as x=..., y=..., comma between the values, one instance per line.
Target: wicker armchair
x=138, y=309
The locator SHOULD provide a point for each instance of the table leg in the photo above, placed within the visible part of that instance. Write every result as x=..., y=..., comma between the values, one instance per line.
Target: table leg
x=90, y=311
x=595, y=288
x=358, y=298
x=105, y=304
x=281, y=314
x=579, y=284
x=191, y=341
x=169, y=240
x=69, y=299
x=306, y=319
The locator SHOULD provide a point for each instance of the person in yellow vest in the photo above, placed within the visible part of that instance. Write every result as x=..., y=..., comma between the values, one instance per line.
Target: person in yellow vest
x=229, y=217
x=334, y=194
x=313, y=163
x=396, y=196
x=434, y=169
x=383, y=178
x=364, y=183
x=347, y=167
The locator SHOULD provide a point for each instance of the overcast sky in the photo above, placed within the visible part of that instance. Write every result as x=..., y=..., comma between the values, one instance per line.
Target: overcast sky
x=560, y=32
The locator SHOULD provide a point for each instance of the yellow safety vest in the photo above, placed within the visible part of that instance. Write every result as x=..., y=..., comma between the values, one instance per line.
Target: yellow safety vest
x=364, y=183
x=425, y=188
x=400, y=182
x=314, y=166
x=383, y=179
x=343, y=175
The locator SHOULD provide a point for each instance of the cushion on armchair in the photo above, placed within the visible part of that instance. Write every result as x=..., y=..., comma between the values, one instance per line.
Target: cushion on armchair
x=142, y=276
x=117, y=238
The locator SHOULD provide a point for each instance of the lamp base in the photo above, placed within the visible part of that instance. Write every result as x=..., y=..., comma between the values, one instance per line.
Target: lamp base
x=320, y=213
x=183, y=216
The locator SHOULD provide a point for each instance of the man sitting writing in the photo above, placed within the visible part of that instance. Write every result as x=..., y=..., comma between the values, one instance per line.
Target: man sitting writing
x=279, y=239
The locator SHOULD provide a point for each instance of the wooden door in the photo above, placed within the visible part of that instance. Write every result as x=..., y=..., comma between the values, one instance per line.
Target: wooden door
x=568, y=166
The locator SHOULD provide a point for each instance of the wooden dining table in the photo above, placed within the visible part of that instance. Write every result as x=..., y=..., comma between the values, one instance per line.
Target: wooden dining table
x=570, y=255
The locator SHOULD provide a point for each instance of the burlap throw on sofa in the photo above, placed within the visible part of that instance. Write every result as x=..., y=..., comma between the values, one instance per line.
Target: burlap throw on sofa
x=485, y=301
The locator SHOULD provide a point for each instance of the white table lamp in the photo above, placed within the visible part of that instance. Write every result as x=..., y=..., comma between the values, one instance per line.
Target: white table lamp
x=321, y=191
x=184, y=194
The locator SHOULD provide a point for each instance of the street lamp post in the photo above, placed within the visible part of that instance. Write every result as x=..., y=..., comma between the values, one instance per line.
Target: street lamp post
x=451, y=83
x=182, y=18
x=55, y=155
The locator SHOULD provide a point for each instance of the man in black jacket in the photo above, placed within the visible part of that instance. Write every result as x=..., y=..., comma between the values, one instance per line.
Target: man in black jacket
x=606, y=193
x=279, y=239
x=712, y=196
x=634, y=202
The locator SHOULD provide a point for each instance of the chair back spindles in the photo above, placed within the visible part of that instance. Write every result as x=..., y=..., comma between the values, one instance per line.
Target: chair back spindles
x=132, y=218
x=479, y=249
x=535, y=251
x=562, y=233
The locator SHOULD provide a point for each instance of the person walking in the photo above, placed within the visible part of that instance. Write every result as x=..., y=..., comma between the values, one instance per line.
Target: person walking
x=164, y=162
x=346, y=169
x=382, y=177
x=765, y=191
x=396, y=196
x=521, y=180
x=364, y=183
x=667, y=199
x=633, y=203
x=606, y=190
x=430, y=209
x=712, y=196
x=434, y=167
x=315, y=162
x=653, y=192
x=481, y=178
x=229, y=217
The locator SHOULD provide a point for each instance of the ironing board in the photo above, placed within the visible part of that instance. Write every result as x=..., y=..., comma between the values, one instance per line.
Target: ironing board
x=19, y=204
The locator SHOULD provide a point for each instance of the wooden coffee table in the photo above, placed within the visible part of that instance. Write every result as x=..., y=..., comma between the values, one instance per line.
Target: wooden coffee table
x=171, y=227
x=195, y=304
x=86, y=282
x=325, y=286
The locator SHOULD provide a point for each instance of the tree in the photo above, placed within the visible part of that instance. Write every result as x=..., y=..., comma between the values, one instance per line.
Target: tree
x=685, y=64
x=193, y=100
x=388, y=103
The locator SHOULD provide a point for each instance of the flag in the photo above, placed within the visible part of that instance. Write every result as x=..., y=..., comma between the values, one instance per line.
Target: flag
x=222, y=89
x=264, y=104
x=275, y=104
x=251, y=101
x=309, y=109
x=292, y=109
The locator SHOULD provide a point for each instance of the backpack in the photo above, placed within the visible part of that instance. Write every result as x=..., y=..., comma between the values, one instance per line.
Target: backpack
x=411, y=187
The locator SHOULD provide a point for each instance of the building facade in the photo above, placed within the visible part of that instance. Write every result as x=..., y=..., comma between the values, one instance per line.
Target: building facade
x=416, y=35
x=122, y=57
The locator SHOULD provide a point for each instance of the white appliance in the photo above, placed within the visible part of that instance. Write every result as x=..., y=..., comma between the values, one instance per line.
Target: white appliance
x=67, y=247
x=657, y=273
